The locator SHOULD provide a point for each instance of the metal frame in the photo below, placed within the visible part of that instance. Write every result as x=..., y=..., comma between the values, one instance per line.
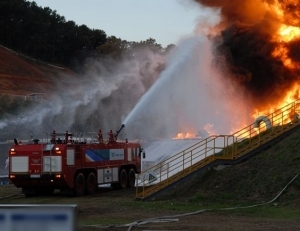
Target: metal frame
x=226, y=148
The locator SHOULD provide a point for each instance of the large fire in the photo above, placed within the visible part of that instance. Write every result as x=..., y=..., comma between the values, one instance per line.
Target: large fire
x=260, y=43
x=287, y=31
x=285, y=35
x=207, y=130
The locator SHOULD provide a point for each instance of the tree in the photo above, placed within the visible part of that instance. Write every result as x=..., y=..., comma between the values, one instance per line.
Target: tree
x=114, y=47
x=150, y=44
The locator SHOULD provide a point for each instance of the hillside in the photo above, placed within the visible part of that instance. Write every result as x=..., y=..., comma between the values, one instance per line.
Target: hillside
x=20, y=75
x=256, y=180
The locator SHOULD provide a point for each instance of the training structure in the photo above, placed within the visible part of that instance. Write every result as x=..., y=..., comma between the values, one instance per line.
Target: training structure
x=74, y=164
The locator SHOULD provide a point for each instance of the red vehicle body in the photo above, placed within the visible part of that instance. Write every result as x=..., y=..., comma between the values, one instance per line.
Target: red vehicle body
x=73, y=164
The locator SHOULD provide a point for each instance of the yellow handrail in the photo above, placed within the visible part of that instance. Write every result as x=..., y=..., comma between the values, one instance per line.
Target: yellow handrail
x=218, y=147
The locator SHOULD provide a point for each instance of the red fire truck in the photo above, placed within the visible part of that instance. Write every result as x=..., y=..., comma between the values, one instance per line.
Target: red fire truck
x=71, y=163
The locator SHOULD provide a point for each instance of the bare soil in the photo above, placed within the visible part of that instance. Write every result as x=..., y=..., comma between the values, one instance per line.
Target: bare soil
x=21, y=75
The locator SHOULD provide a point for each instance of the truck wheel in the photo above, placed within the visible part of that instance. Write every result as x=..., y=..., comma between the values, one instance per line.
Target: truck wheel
x=123, y=178
x=131, y=178
x=79, y=185
x=91, y=184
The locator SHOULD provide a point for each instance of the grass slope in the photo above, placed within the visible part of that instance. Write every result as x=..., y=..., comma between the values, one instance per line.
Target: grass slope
x=257, y=180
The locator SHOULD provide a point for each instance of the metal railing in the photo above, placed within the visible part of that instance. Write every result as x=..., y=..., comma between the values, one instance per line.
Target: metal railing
x=219, y=147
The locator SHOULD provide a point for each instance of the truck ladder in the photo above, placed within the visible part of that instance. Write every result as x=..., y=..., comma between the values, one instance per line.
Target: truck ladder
x=47, y=148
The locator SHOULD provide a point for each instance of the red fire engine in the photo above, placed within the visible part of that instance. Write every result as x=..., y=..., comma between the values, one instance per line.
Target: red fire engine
x=71, y=163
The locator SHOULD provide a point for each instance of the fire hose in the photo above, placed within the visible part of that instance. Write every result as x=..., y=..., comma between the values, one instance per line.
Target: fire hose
x=175, y=217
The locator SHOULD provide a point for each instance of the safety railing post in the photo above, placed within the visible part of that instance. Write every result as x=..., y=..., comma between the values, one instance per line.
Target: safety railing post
x=259, y=136
x=144, y=186
x=191, y=161
x=160, y=171
x=205, y=152
x=233, y=146
x=294, y=109
x=183, y=160
x=168, y=173
x=214, y=149
x=281, y=121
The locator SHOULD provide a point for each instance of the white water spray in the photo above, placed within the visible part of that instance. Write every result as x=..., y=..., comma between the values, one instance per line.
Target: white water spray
x=186, y=98
x=97, y=101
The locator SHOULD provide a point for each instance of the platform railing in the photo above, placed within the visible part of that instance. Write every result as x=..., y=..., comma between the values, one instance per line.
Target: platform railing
x=219, y=147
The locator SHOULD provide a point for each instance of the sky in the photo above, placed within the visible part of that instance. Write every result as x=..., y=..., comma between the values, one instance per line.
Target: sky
x=167, y=21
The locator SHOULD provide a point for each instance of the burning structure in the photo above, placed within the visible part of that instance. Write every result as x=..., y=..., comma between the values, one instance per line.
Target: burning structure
x=246, y=66
x=257, y=44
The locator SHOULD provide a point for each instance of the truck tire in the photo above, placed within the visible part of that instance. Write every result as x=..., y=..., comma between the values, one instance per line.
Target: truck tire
x=123, y=179
x=79, y=185
x=91, y=183
x=131, y=178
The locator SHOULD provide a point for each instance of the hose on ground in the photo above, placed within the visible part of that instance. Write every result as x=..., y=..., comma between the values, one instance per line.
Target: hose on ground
x=12, y=195
x=174, y=218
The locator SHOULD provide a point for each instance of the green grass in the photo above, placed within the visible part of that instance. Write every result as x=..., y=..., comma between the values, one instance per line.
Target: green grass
x=272, y=211
x=254, y=181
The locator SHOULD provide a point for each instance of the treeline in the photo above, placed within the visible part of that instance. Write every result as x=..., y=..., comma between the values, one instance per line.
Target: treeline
x=43, y=34
x=11, y=105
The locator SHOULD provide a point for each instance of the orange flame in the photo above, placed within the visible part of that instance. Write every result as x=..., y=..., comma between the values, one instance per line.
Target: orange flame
x=184, y=136
x=281, y=20
x=286, y=33
x=207, y=130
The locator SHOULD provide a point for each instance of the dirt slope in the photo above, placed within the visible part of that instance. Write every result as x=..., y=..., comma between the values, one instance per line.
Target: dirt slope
x=21, y=75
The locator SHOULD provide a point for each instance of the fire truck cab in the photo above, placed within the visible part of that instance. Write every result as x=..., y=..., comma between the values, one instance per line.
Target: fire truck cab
x=72, y=164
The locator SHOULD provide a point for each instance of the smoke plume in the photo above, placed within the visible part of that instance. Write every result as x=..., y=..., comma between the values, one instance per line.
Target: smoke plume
x=247, y=62
x=249, y=50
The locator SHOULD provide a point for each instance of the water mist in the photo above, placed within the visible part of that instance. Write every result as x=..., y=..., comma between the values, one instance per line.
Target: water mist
x=187, y=97
x=96, y=100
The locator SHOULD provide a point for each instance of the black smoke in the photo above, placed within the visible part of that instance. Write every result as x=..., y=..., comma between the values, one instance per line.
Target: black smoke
x=244, y=49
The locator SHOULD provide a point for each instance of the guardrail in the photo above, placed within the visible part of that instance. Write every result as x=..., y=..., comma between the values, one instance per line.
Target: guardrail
x=220, y=147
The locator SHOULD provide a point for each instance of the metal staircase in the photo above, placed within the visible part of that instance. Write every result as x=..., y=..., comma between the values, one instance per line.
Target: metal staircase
x=218, y=150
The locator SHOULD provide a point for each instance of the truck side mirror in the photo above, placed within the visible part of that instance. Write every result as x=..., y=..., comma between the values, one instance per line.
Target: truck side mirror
x=144, y=155
x=140, y=152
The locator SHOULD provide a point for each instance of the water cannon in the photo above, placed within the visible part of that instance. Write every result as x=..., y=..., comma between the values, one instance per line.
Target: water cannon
x=117, y=132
